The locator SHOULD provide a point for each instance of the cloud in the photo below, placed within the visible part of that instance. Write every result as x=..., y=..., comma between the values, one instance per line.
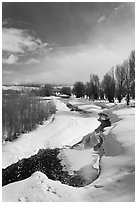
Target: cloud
x=12, y=59
x=12, y=23
x=7, y=72
x=32, y=61
x=20, y=44
x=5, y=22
x=117, y=9
x=101, y=19
x=18, y=41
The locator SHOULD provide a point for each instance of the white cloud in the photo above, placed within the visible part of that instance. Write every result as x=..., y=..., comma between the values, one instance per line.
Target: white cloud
x=101, y=19
x=32, y=61
x=19, y=41
x=12, y=59
x=7, y=72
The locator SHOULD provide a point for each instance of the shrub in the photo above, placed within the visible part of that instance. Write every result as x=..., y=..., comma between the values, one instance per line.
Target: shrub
x=22, y=113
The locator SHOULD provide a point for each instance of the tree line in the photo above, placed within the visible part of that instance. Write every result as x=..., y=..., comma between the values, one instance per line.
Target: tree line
x=117, y=83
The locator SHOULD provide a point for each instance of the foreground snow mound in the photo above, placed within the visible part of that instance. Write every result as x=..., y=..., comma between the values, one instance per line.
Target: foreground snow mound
x=38, y=188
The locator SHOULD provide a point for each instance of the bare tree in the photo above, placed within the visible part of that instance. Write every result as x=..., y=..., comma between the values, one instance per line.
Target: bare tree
x=79, y=89
x=132, y=73
x=94, y=81
x=66, y=90
x=92, y=87
x=108, y=85
x=120, y=78
x=127, y=79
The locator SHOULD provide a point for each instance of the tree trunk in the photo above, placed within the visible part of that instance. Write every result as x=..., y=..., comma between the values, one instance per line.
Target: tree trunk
x=127, y=99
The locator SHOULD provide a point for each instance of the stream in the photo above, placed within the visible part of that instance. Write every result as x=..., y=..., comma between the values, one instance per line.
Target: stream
x=48, y=162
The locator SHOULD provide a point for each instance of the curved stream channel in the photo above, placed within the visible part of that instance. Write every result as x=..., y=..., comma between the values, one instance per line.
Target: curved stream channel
x=49, y=162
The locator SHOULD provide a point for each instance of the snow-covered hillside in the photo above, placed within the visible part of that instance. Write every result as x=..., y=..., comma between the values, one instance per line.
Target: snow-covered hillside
x=117, y=176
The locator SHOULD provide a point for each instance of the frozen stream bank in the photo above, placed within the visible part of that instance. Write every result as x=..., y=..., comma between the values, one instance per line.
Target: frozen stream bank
x=72, y=166
x=116, y=179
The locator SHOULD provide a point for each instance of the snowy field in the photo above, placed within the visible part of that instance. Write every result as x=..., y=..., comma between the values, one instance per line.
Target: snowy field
x=116, y=181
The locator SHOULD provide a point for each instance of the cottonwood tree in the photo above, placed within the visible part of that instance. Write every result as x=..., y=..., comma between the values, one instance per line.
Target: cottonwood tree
x=88, y=90
x=47, y=90
x=93, y=86
x=108, y=84
x=127, y=79
x=66, y=90
x=101, y=92
x=132, y=73
x=120, y=79
x=79, y=89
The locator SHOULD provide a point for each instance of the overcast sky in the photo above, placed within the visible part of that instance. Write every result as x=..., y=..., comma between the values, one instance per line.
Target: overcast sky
x=64, y=42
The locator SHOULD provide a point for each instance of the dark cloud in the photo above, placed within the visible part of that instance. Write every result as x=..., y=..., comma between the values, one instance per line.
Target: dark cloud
x=65, y=24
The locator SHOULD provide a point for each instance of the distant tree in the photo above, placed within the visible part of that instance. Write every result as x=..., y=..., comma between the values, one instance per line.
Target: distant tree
x=47, y=90
x=66, y=90
x=120, y=78
x=108, y=85
x=88, y=90
x=132, y=73
x=79, y=89
x=127, y=79
x=101, y=92
x=94, y=86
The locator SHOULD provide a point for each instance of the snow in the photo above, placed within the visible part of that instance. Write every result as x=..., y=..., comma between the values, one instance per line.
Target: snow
x=89, y=106
x=18, y=87
x=70, y=159
x=39, y=188
x=116, y=182
x=60, y=105
x=85, y=105
x=65, y=129
x=117, y=176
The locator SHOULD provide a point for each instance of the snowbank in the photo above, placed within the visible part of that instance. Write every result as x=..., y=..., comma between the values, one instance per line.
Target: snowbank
x=90, y=106
x=38, y=188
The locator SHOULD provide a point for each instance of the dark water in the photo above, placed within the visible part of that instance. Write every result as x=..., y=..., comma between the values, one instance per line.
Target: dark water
x=45, y=161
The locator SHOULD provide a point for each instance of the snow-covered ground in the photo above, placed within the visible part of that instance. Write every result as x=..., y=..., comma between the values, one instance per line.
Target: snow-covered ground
x=116, y=181
x=66, y=129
